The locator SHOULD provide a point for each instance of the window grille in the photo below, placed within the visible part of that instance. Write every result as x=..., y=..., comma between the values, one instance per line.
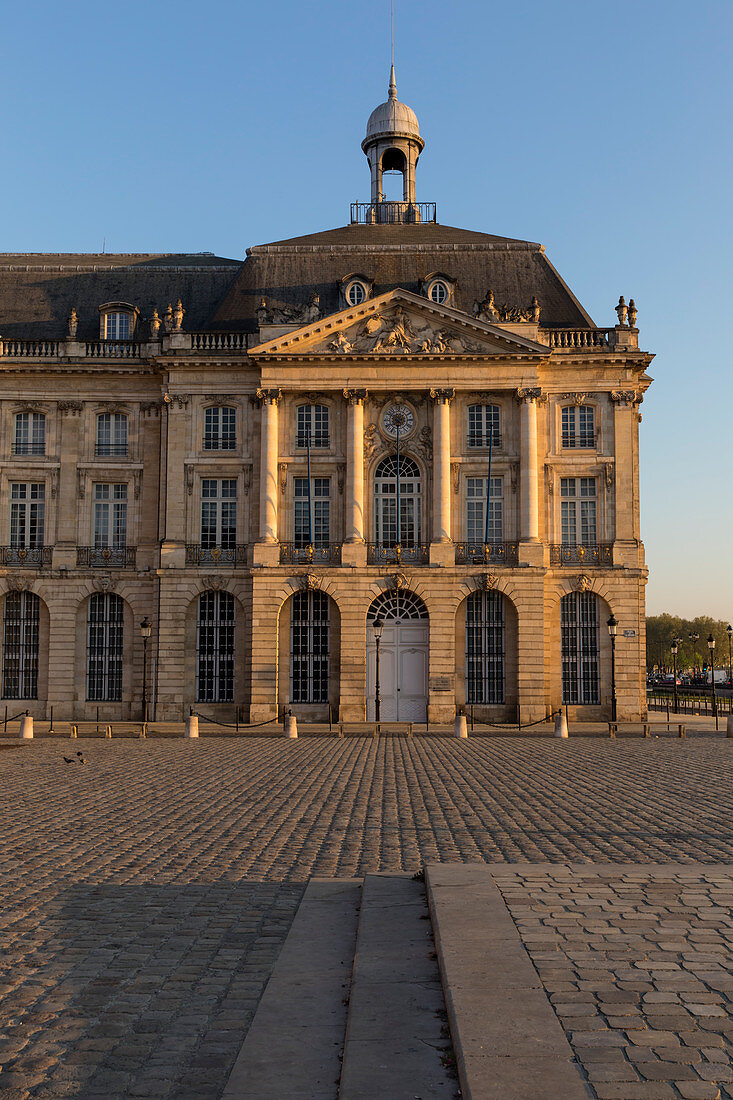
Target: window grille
x=578, y=511
x=30, y=434
x=320, y=491
x=356, y=294
x=27, y=514
x=394, y=605
x=578, y=426
x=104, y=647
x=110, y=517
x=484, y=426
x=117, y=326
x=485, y=634
x=215, y=648
x=385, y=500
x=21, y=625
x=218, y=513
x=220, y=429
x=313, y=418
x=579, y=648
x=439, y=293
x=309, y=647
x=476, y=510
x=111, y=434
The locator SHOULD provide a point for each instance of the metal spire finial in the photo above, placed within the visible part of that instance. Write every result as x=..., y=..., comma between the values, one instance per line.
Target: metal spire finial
x=392, y=81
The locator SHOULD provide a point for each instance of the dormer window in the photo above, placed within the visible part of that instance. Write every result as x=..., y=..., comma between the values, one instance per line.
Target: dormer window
x=117, y=321
x=438, y=287
x=354, y=289
x=356, y=294
x=439, y=292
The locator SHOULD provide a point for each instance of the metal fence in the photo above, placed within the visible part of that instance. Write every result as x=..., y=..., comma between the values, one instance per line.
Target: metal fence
x=689, y=702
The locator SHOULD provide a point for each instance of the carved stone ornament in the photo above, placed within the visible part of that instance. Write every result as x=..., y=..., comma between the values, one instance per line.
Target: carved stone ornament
x=175, y=400
x=531, y=393
x=221, y=397
x=514, y=474
x=73, y=324
x=215, y=583
x=583, y=583
x=178, y=313
x=355, y=397
x=398, y=580
x=289, y=315
x=81, y=483
x=151, y=408
x=487, y=581
x=608, y=473
x=72, y=408
x=488, y=311
x=105, y=583
x=371, y=438
x=455, y=469
x=310, y=581
x=341, y=475
x=15, y=583
x=576, y=398
x=189, y=480
x=622, y=311
x=246, y=479
x=155, y=325
x=269, y=397
x=549, y=479
x=626, y=397
x=443, y=395
x=54, y=483
x=137, y=478
x=282, y=469
x=395, y=333
x=426, y=441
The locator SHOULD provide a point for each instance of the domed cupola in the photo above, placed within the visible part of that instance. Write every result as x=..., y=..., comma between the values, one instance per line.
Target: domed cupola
x=393, y=144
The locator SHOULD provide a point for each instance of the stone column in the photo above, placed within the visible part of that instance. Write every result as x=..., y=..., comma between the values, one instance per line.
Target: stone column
x=530, y=552
x=620, y=480
x=441, y=548
x=70, y=449
x=266, y=551
x=354, y=549
x=173, y=550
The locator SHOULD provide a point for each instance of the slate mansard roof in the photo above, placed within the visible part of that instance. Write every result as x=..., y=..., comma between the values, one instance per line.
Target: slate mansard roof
x=38, y=291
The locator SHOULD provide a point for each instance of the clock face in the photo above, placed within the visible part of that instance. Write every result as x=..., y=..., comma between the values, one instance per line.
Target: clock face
x=398, y=418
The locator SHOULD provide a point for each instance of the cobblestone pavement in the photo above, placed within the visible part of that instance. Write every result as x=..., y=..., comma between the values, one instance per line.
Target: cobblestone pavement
x=147, y=893
x=639, y=969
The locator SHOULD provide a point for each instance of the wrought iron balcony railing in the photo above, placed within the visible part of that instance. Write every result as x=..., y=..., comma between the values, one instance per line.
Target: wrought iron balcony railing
x=593, y=554
x=215, y=555
x=29, y=449
x=477, y=553
x=111, y=557
x=32, y=557
x=378, y=553
x=330, y=554
x=392, y=213
x=110, y=450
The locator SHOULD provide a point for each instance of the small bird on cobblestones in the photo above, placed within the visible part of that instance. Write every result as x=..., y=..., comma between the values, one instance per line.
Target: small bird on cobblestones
x=80, y=754
x=82, y=760
x=69, y=761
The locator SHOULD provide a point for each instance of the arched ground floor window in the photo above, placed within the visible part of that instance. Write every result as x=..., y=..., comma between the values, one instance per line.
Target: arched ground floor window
x=21, y=631
x=215, y=648
x=309, y=647
x=485, y=650
x=104, y=647
x=580, y=653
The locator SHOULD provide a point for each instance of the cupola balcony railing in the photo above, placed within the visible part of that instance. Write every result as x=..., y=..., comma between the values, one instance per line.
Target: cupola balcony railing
x=196, y=554
x=393, y=213
x=380, y=553
x=110, y=557
x=590, y=554
x=292, y=554
x=479, y=553
x=28, y=557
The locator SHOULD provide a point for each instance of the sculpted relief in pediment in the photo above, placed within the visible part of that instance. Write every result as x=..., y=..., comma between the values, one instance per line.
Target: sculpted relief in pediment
x=396, y=333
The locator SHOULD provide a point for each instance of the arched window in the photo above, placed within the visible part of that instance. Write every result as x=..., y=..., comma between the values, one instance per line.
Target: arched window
x=220, y=428
x=356, y=293
x=104, y=647
x=30, y=434
x=21, y=622
x=578, y=426
x=111, y=434
x=215, y=648
x=579, y=648
x=439, y=292
x=395, y=605
x=484, y=426
x=117, y=326
x=387, y=531
x=309, y=647
x=485, y=647
x=312, y=419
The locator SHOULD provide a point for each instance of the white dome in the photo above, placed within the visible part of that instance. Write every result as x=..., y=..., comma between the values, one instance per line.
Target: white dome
x=392, y=117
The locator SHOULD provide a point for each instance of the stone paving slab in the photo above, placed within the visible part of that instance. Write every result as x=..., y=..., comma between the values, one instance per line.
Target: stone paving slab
x=146, y=895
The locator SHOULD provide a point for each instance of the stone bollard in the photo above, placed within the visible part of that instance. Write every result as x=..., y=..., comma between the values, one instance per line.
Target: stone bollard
x=645, y=732
x=729, y=727
x=192, y=726
x=459, y=728
x=143, y=730
x=74, y=732
x=108, y=732
x=26, y=727
x=290, y=726
x=561, y=724
x=681, y=730
x=612, y=729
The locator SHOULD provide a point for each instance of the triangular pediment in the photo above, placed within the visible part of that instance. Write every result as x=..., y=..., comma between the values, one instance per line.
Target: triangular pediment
x=399, y=324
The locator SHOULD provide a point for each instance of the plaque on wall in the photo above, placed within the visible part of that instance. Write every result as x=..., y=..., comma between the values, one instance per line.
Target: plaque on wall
x=440, y=683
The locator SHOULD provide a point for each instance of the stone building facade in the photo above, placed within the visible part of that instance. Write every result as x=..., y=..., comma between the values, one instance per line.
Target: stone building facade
x=262, y=458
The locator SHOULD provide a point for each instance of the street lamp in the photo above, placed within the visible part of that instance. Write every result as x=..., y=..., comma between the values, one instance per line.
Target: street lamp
x=729, y=632
x=694, y=638
x=378, y=627
x=711, y=647
x=675, y=646
x=146, y=629
x=612, y=627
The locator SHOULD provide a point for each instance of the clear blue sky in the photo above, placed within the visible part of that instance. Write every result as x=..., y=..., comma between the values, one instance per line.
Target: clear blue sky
x=603, y=131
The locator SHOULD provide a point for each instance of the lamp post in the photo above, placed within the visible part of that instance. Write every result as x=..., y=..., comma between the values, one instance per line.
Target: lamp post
x=612, y=625
x=711, y=647
x=675, y=646
x=146, y=629
x=378, y=627
x=729, y=632
x=693, y=639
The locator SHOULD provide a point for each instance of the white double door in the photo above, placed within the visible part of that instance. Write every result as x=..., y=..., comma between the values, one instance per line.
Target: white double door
x=403, y=672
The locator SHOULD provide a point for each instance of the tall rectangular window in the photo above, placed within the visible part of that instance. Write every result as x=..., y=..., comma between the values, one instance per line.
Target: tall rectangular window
x=579, y=651
x=104, y=647
x=321, y=511
x=30, y=434
x=117, y=326
x=111, y=434
x=476, y=510
x=484, y=426
x=110, y=517
x=21, y=625
x=313, y=419
x=309, y=648
x=215, y=648
x=578, y=511
x=578, y=426
x=218, y=513
x=27, y=514
x=220, y=429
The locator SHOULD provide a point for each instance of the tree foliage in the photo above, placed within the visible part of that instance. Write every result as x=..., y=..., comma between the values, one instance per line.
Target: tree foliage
x=661, y=629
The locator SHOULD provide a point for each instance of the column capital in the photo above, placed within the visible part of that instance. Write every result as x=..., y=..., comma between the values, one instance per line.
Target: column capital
x=626, y=397
x=355, y=397
x=530, y=393
x=269, y=397
x=442, y=395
